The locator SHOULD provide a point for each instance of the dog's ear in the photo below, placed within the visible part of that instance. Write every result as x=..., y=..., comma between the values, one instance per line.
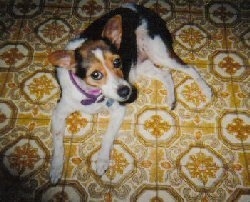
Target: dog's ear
x=63, y=58
x=113, y=30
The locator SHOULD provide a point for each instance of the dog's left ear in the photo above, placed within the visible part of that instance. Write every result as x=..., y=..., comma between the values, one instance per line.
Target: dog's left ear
x=113, y=30
x=63, y=58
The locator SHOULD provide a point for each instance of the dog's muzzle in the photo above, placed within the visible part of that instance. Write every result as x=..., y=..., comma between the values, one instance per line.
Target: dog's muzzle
x=127, y=93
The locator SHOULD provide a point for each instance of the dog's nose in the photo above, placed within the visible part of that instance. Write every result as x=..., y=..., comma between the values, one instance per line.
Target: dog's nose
x=123, y=91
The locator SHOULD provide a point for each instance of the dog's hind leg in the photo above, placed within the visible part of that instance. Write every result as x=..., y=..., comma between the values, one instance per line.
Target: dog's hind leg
x=58, y=128
x=148, y=69
x=157, y=52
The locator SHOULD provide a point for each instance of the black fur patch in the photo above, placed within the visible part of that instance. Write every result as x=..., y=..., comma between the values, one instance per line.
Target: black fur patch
x=111, y=46
x=80, y=70
x=157, y=26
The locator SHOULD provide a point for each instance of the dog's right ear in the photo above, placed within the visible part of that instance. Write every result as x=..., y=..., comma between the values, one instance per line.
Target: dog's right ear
x=113, y=30
x=63, y=58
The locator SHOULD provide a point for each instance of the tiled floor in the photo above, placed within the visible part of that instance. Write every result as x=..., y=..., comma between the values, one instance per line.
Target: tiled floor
x=198, y=152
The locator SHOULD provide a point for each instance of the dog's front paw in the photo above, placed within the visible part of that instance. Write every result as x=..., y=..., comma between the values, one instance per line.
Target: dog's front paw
x=102, y=165
x=55, y=171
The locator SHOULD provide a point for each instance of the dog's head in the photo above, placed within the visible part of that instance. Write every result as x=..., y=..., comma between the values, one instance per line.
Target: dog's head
x=98, y=64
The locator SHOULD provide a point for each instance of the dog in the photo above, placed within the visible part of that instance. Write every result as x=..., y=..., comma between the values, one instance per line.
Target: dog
x=98, y=70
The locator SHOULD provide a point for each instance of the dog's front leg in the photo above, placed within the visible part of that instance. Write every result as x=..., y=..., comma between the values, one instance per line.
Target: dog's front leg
x=58, y=128
x=117, y=113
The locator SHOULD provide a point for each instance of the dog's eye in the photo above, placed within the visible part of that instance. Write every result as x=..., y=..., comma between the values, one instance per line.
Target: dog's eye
x=96, y=75
x=117, y=63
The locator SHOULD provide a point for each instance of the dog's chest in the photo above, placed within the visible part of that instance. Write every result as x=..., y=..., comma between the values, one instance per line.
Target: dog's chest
x=77, y=98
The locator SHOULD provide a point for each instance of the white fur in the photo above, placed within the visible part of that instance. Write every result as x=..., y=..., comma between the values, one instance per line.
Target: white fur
x=70, y=102
x=99, y=55
x=130, y=6
x=117, y=113
x=76, y=43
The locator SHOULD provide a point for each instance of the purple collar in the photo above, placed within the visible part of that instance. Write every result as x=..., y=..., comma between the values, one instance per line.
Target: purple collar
x=93, y=95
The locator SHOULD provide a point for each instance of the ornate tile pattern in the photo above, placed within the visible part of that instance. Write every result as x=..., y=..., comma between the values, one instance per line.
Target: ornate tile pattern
x=198, y=152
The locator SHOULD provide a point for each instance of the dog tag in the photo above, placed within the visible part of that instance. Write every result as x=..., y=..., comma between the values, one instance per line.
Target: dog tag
x=110, y=102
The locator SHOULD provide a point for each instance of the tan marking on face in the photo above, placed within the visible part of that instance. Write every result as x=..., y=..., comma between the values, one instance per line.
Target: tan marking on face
x=102, y=62
x=96, y=66
x=109, y=59
x=105, y=69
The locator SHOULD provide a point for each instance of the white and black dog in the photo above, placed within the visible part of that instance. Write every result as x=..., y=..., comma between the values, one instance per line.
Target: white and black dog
x=98, y=70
